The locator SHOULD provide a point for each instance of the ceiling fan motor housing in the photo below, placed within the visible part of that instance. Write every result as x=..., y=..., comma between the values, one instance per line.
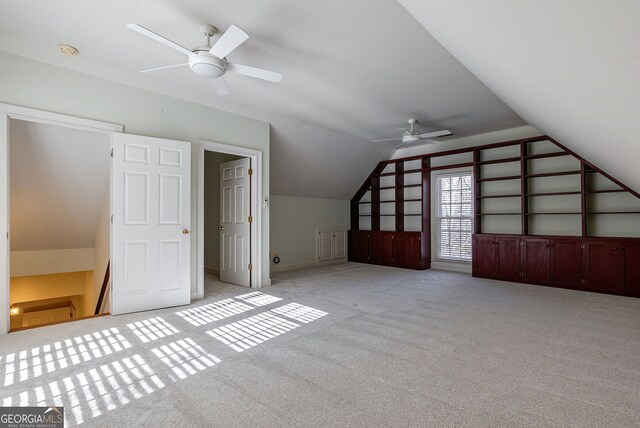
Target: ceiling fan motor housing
x=207, y=65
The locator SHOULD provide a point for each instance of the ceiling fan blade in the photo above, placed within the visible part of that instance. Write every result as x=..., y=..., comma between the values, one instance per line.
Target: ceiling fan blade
x=221, y=87
x=386, y=139
x=442, y=133
x=163, y=68
x=158, y=38
x=231, y=39
x=258, y=73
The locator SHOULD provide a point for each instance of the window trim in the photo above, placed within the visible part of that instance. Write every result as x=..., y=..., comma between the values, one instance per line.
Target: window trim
x=464, y=265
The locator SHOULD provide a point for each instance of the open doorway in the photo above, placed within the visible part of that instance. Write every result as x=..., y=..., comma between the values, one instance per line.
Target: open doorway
x=227, y=218
x=59, y=193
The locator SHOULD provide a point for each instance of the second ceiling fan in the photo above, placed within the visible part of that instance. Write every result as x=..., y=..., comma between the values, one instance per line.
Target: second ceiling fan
x=411, y=136
x=210, y=61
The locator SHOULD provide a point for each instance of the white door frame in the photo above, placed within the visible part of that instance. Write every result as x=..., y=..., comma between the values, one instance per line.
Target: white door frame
x=256, y=209
x=7, y=112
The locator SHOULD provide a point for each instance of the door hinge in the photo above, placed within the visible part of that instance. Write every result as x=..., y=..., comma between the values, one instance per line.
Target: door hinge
x=250, y=171
x=111, y=218
x=250, y=267
x=111, y=152
x=250, y=219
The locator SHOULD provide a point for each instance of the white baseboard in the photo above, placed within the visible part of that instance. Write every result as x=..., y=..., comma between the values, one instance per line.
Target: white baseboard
x=293, y=266
x=453, y=267
x=305, y=265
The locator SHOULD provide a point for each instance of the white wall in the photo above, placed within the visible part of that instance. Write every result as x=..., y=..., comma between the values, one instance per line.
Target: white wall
x=37, y=85
x=42, y=287
x=44, y=262
x=293, y=227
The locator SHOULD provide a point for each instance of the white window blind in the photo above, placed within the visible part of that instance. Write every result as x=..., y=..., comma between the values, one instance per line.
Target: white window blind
x=454, y=216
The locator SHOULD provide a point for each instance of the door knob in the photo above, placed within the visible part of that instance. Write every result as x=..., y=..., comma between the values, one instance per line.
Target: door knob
x=220, y=227
x=185, y=231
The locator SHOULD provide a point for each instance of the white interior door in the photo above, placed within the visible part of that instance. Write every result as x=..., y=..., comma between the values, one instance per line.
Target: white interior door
x=151, y=202
x=234, y=218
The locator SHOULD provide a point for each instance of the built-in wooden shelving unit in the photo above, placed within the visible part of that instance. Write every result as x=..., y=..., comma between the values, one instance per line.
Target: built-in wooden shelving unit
x=528, y=159
x=532, y=189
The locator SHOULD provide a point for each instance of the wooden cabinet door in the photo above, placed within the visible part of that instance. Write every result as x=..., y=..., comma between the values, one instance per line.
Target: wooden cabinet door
x=630, y=253
x=407, y=250
x=388, y=239
x=601, y=265
x=363, y=254
x=353, y=245
x=382, y=247
x=566, y=262
x=507, y=258
x=535, y=260
x=484, y=256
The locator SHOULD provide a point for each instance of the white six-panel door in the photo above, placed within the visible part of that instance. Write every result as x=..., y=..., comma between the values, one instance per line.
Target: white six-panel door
x=151, y=204
x=234, y=222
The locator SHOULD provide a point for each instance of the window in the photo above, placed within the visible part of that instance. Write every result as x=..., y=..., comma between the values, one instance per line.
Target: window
x=454, y=216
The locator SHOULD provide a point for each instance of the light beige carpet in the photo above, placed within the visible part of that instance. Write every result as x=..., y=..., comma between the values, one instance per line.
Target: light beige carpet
x=347, y=345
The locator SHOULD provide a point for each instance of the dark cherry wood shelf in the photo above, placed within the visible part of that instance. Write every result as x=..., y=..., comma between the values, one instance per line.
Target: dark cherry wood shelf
x=613, y=212
x=552, y=174
x=506, y=177
x=499, y=196
x=388, y=174
x=395, y=215
x=391, y=201
x=556, y=213
x=503, y=160
x=577, y=192
x=546, y=155
x=396, y=187
x=451, y=166
x=595, y=192
x=518, y=214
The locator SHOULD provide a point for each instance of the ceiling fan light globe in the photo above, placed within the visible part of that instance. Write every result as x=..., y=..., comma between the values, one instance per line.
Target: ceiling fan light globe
x=206, y=65
x=410, y=139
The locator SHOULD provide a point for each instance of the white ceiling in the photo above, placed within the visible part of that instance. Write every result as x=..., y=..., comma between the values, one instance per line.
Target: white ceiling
x=353, y=71
x=569, y=68
x=59, y=186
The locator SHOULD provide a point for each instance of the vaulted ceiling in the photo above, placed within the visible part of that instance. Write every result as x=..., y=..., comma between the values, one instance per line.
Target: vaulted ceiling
x=353, y=71
x=569, y=68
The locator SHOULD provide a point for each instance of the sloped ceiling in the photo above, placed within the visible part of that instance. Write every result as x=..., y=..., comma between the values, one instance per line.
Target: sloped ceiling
x=569, y=68
x=353, y=71
x=59, y=186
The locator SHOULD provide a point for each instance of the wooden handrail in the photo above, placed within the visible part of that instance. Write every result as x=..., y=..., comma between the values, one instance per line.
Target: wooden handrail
x=103, y=290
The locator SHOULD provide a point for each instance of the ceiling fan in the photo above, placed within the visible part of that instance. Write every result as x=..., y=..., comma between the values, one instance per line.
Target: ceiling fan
x=210, y=61
x=410, y=136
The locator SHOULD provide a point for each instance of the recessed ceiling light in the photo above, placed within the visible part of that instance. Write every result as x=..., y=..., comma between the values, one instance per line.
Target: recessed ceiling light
x=68, y=50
